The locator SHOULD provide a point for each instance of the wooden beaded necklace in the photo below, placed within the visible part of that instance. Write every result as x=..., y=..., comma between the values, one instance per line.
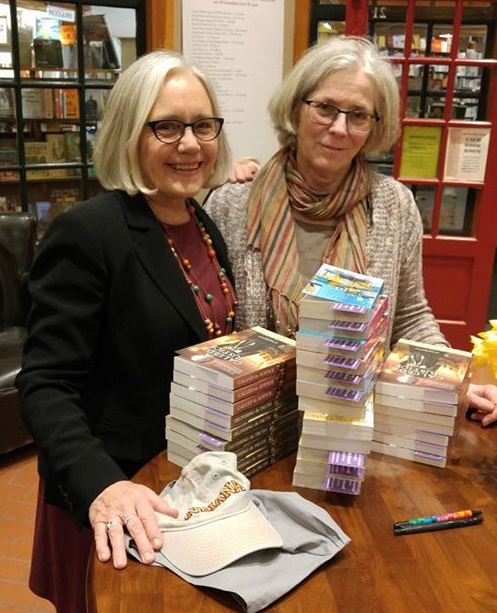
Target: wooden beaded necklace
x=205, y=297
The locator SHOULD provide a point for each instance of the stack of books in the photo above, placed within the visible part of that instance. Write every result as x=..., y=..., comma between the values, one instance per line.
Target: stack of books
x=420, y=394
x=340, y=347
x=235, y=393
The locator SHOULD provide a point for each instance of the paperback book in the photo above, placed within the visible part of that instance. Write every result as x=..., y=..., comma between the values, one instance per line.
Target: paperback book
x=344, y=286
x=239, y=358
x=355, y=348
x=323, y=424
x=179, y=406
x=346, y=328
x=425, y=372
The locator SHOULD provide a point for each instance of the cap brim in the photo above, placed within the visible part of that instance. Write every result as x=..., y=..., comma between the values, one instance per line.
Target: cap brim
x=205, y=548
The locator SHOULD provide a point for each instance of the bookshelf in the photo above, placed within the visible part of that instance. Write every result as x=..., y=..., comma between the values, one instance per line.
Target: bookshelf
x=58, y=64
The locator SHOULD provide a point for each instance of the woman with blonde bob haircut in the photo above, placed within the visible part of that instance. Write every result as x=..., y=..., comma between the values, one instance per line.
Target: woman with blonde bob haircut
x=120, y=283
x=116, y=158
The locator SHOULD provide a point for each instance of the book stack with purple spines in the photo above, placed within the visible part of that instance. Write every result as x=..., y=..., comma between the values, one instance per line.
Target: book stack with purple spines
x=420, y=394
x=340, y=345
x=339, y=471
x=235, y=393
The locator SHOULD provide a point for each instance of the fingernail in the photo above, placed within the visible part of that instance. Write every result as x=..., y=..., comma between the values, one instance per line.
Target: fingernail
x=148, y=557
x=157, y=543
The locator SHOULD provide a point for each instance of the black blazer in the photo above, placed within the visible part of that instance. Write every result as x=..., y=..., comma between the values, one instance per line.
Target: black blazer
x=110, y=306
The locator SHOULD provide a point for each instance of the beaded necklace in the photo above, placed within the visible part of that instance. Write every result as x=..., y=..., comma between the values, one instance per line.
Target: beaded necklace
x=208, y=297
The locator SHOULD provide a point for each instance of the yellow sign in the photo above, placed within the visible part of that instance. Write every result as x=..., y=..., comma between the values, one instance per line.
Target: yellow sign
x=420, y=151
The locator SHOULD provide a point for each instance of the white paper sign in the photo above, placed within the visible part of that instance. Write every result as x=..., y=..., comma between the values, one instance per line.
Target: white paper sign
x=467, y=151
x=239, y=45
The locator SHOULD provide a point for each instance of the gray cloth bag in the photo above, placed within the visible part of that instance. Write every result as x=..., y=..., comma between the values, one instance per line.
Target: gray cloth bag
x=310, y=538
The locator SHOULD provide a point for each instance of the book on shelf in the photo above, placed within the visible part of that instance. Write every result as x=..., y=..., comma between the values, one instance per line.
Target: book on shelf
x=238, y=359
x=47, y=53
x=66, y=103
x=37, y=103
x=68, y=34
x=95, y=103
x=408, y=454
x=102, y=46
x=339, y=285
x=36, y=152
x=426, y=372
x=47, y=28
x=57, y=154
x=6, y=102
x=9, y=157
x=179, y=406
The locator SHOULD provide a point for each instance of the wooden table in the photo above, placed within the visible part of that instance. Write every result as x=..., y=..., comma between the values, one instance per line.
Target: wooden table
x=446, y=571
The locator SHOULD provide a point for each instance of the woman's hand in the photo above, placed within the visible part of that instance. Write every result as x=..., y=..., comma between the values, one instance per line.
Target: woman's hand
x=483, y=403
x=127, y=505
x=243, y=170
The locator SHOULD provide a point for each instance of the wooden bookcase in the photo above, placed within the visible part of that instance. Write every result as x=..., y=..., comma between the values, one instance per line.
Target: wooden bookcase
x=58, y=64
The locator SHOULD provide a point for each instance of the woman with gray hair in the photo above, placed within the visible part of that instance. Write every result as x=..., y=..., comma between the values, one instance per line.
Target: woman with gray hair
x=119, y=284
x=317, y=200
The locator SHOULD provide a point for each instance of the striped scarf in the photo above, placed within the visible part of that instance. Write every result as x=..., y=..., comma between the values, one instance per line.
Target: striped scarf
x=279, y=195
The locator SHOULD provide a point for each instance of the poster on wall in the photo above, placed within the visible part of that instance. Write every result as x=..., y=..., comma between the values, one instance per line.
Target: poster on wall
x=467, y=152
x=420, y=151
x=239, y=45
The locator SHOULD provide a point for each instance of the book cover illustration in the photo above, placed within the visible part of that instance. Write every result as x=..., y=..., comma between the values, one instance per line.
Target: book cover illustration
x=36, y=153
x=6, y=102
x=412, y=365
x=57, y=154
x=9, y=157
x=340, y=285
x=239, y=358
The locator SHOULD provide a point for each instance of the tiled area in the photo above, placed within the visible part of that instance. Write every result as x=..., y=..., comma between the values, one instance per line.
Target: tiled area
x=18, y=487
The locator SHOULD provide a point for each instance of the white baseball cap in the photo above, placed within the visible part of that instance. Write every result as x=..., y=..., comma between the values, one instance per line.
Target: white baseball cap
x=217, y=523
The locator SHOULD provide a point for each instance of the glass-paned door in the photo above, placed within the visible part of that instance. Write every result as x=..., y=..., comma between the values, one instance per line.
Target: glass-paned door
x=446, y=66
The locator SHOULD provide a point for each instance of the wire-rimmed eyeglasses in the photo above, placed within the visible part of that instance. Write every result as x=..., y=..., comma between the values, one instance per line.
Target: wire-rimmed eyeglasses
x=171, y=130
x=326, y=114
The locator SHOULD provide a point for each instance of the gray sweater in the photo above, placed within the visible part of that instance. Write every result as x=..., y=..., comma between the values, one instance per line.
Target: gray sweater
x=394, y=243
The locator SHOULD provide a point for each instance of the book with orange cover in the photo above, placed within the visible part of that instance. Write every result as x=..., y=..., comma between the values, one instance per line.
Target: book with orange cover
x=237, y=359
x=420, y=371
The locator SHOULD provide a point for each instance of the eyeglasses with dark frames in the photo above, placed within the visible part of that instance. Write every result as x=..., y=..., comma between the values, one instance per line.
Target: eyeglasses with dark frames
x=171, y=130
x=326, y=114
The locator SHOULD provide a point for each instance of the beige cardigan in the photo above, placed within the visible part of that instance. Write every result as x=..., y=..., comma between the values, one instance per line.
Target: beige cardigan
x=394, y=243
